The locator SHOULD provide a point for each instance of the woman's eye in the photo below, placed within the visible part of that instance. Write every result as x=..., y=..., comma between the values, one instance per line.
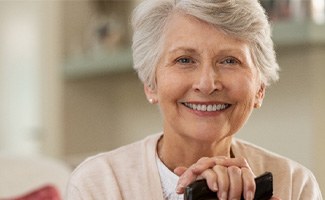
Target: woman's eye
x=231, y=61
x=185, y=60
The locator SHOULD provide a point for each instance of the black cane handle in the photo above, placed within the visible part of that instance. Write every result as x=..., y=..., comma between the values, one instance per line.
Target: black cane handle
x=199, y=189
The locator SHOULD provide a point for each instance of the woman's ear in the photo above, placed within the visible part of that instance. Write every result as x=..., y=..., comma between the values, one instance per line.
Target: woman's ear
x=151, y=94
x=259, y=96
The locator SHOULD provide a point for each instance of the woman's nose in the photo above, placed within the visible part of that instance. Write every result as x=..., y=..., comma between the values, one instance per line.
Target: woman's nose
x=208, y=81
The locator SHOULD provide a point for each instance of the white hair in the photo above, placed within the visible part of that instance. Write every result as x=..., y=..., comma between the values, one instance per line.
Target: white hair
x=243, y=19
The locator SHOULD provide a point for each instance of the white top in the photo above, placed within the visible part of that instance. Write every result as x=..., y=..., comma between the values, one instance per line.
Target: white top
x=168, y=181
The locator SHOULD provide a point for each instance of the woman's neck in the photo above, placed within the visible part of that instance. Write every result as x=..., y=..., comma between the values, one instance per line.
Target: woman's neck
x=175, y=150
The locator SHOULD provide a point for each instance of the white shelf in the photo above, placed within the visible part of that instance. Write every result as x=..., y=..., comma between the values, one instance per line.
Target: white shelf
x=98, y=63
x=297, y=33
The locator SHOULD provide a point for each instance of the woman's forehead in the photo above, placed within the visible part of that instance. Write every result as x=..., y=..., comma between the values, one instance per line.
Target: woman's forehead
x=187, y=33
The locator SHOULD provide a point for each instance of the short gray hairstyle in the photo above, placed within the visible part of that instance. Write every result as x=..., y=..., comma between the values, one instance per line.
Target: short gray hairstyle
x=243, y=19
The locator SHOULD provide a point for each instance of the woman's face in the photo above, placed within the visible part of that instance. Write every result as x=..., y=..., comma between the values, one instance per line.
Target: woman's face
x=206, y=82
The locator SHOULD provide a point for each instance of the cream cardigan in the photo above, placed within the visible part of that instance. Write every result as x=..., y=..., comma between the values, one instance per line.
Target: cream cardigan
x=131, y=173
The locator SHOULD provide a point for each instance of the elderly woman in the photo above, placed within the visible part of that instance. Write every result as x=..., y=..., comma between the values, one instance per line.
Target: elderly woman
x=207, y=65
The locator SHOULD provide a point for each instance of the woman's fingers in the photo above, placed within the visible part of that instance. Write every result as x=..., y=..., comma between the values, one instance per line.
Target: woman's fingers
x=179, y=171
x=186, y=178
x=211, y=178
x=229, y=177
x=191, y=174
x=249, y=186
x=223, y=181
x=205, y=163
x=235, y=182
x=227, y=162
x=226, y=181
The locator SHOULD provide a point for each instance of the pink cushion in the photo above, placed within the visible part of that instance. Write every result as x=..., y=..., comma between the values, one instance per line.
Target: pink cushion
x=47, y=192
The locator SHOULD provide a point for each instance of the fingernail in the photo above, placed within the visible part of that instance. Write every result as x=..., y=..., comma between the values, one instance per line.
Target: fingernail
x=179, y=188
x=224, y=196
x=215, y=187
x=250, y=195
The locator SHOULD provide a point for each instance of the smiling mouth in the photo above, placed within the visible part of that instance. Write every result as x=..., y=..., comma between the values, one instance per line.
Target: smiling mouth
x=207, y=107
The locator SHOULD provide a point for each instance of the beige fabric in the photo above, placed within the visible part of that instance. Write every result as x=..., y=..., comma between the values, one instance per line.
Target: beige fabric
x=130, y=172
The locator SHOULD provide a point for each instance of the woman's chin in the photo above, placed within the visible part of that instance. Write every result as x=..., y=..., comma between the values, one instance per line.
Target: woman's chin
x=205, y=137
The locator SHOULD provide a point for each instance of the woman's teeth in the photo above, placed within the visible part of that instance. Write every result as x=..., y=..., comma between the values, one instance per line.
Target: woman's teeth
x=207, y=108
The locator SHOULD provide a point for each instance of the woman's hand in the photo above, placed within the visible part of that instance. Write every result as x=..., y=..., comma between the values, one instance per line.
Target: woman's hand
x=229, y=177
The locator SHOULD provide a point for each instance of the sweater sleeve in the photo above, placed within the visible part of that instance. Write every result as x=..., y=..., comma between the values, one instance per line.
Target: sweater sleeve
x=129, y=172
x=93, y=180
x=73, y=192
x=306, y=186
x=291, y=180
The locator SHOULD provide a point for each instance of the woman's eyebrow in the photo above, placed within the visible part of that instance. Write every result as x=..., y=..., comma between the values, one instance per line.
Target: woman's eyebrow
x=183, y=49
x=241, y=53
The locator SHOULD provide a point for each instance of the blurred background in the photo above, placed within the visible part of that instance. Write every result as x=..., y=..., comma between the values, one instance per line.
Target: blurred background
x=68, y=91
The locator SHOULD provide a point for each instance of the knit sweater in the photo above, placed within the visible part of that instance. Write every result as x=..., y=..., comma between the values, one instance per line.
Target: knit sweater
x=130, y=172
